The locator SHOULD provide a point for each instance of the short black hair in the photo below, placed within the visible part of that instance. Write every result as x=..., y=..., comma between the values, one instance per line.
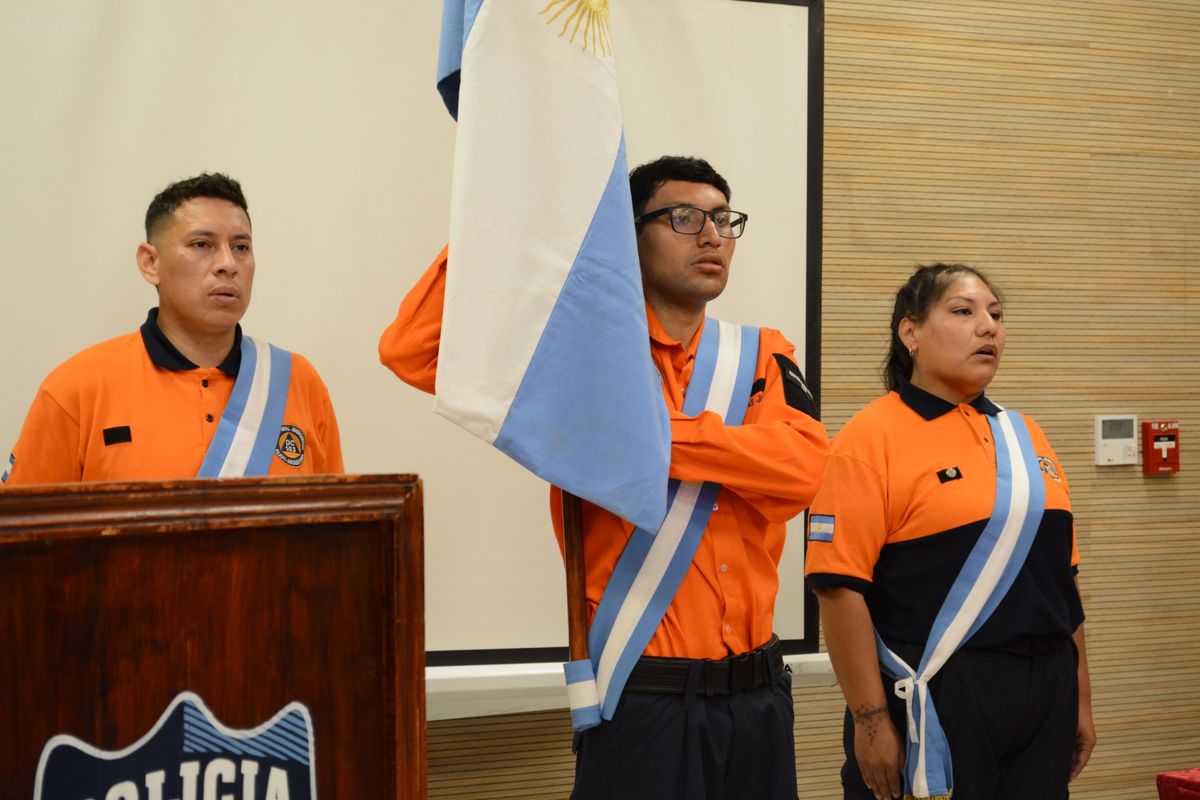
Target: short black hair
x=215, y=185
x=914, y=300
x=645, y=180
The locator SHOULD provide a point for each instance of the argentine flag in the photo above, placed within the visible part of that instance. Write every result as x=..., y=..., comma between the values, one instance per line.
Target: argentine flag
x=544, y=349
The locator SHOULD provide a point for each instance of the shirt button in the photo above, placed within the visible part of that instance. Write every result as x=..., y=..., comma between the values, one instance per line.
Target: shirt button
x=724, y=568
x=728, y=627
x=715, y=506
x=204, y=383
x=208, y=417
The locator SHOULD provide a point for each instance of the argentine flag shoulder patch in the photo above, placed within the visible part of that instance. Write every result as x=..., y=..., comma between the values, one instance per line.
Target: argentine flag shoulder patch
x=820, y=528
x=12, y=460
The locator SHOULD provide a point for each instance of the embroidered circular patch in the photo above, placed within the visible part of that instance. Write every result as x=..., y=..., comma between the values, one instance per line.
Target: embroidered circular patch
x=1048, y=467
x=290, y=447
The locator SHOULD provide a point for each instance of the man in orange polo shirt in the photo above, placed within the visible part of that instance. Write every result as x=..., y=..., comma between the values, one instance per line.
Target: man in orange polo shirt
x=726, y=732
x=186, y=394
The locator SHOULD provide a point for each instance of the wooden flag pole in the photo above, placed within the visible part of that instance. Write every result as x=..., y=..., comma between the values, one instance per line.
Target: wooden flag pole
x=577, y=625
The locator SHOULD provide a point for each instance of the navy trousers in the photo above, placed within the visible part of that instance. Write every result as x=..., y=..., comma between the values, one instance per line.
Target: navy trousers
x=692, y=747
x=1010, y=719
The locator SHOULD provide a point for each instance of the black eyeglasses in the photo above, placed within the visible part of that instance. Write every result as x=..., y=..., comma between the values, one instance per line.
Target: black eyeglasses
x=689, y=220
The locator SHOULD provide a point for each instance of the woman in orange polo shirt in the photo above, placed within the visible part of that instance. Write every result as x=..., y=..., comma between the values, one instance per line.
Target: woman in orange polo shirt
x=910, y=502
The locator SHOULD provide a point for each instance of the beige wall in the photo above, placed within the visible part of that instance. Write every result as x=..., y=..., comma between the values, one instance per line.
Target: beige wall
x=1057, y=146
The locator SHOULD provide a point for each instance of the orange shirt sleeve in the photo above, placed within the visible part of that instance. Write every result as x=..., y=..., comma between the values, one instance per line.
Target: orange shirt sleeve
x=409, y=346
x=774, y=460
x=327, y=429
x=48, y=448
x=333, y=441
x=854, y=493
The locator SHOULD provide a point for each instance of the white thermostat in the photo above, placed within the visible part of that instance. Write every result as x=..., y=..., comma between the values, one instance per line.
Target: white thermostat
x=1116, y=439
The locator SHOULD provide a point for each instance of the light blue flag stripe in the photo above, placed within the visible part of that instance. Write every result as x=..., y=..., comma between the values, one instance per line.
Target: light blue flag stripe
x=938, y=769
x=214, y=459
x=703, y=368
x=458, y=17
x=694, y=404
x=978, y=556
x=652, y=616
x=582, y=716
x=1037, y=504
x=272, y=419
x=747, y=365
x=631, y=560
x=560, y=424
x=634, y=555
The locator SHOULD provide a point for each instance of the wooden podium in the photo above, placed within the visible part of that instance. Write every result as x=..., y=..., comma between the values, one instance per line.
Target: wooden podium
x=251, y=593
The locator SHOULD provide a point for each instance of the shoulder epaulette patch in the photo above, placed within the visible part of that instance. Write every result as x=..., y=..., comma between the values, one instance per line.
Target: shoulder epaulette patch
x=795, y=389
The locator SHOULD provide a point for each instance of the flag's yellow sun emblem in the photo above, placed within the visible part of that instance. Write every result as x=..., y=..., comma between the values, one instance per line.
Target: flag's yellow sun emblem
x=589, y=17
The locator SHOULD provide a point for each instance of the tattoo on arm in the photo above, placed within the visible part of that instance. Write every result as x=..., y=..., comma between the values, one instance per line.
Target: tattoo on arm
x=863, y=713
x=867, y=719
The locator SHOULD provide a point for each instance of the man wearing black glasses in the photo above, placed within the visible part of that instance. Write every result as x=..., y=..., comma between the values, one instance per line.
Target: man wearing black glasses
x=707, y=710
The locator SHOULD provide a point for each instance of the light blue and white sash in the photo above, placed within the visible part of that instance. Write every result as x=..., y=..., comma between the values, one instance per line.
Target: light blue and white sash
x=652, y=565
x=248, y=433
x=984, y=580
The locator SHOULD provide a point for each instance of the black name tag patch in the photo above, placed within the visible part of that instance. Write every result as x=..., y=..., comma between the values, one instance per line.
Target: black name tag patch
x=117, y=435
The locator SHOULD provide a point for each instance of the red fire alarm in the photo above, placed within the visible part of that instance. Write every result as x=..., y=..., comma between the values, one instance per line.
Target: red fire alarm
x=1160, y=446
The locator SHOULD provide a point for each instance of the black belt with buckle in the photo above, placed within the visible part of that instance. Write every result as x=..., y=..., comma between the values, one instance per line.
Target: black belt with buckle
x=720, y=677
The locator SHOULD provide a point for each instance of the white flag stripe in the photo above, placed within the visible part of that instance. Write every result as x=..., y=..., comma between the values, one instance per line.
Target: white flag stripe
x=720, y=394
x=666, y=542
x=582, y=694
x=505, y=218
x=242, y=445
x=998, y=559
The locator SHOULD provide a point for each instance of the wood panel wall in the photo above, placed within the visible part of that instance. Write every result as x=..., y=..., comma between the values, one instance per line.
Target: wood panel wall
x=1057, y=147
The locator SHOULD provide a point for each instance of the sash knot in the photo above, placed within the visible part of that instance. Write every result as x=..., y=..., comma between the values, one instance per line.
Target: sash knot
x=904, y=690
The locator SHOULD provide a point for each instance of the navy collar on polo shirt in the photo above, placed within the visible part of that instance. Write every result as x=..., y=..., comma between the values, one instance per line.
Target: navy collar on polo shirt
x=931, y=406
x=165, y=355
